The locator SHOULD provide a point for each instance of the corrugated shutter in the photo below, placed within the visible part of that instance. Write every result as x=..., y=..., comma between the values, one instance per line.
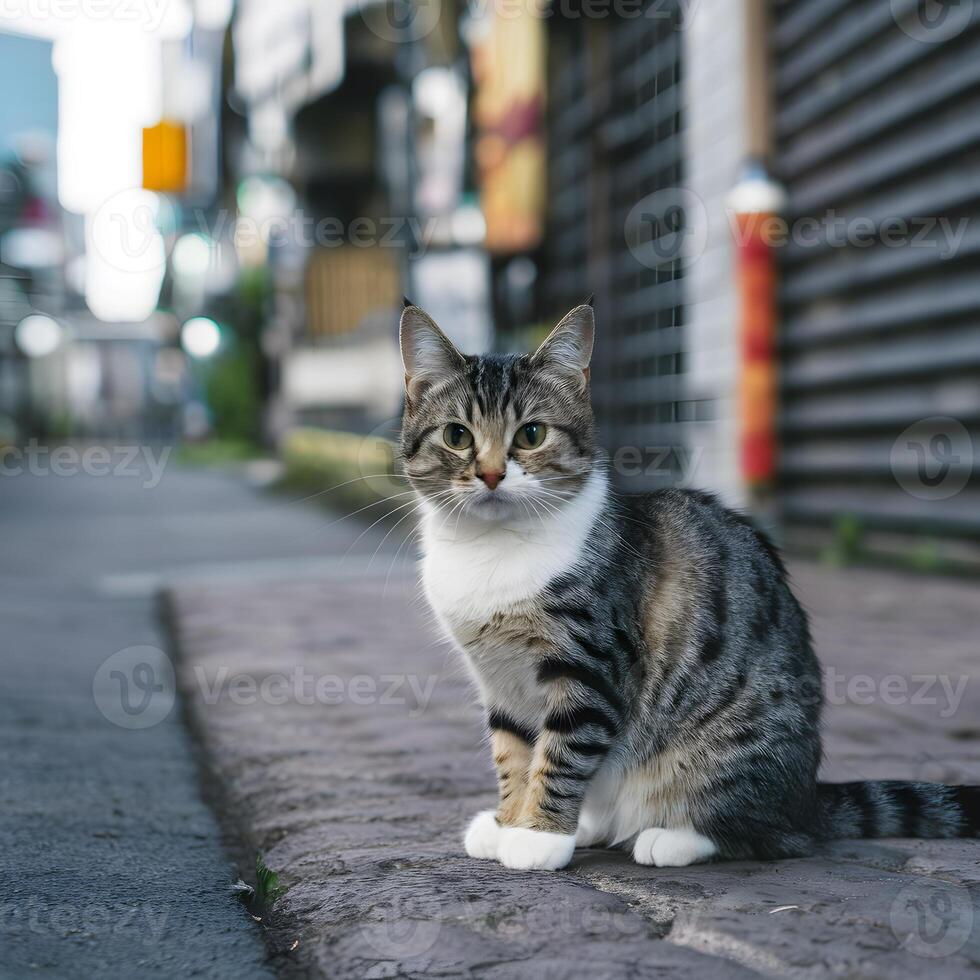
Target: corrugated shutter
x=614, y=139
x=878, y=141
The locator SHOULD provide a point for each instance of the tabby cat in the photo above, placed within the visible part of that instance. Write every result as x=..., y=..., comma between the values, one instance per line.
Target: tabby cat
x=647, y=674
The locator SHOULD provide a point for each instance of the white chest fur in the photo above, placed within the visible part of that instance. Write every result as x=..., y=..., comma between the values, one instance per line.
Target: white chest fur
x=477, y=570
x=481, y=572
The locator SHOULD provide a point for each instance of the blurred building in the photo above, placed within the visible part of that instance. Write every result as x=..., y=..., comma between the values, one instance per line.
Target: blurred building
x=360, y=124
x=32, y=246
x=774, y=204
x=771, y=202
x=107, y=158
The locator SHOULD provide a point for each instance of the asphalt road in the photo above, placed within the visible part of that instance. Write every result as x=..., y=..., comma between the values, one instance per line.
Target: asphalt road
x=113, y=866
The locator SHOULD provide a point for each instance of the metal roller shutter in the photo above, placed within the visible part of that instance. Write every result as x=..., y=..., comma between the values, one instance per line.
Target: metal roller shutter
x=614, y=140
x=878, y=141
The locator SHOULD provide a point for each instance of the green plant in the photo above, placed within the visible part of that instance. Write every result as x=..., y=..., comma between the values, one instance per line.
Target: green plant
x=267, y=888
x=233, y=394
x=216, y=452
x=926, y=556
x=846, y=548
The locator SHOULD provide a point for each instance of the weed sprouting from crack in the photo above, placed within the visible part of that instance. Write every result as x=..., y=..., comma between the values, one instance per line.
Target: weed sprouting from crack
x=260, y=898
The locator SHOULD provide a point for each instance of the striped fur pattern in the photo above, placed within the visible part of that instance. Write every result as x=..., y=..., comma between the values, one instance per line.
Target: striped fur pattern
x=647, y=674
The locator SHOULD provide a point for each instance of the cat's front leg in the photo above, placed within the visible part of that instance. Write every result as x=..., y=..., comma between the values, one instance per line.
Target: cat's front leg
x=512, y=747
x=578, y=731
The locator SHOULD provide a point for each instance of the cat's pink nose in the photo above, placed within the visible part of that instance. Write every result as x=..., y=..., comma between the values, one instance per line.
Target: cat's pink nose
x=491, y=477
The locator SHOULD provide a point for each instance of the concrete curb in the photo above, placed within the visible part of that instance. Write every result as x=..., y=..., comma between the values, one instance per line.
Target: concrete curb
x=349, y=748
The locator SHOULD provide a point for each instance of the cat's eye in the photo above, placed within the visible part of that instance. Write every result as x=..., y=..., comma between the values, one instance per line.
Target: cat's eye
x=530, y=436
x=457, y=436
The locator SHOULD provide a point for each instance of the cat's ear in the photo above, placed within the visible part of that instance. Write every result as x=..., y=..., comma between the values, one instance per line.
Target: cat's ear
x=427, y=353
x=568, y=348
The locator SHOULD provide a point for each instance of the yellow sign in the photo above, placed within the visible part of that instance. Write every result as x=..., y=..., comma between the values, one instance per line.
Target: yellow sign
x=165, y=158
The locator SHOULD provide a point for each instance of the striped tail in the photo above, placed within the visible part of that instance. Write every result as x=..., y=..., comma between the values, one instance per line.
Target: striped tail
x=895, y=808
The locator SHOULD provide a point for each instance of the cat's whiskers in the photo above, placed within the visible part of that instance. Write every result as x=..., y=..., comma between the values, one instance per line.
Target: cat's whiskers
x=414, y=533
x=524, y=503
x=457, y=507
x=411, y=513
x=358, y=479
x=612, y=529
x=529, y=501
x=410, y=503
x=375, y=503
x=548, y=508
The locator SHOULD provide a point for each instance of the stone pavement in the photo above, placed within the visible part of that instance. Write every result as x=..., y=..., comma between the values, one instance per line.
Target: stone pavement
x=348, y=748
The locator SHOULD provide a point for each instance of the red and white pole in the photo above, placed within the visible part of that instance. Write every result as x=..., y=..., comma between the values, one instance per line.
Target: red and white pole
x=756, y=204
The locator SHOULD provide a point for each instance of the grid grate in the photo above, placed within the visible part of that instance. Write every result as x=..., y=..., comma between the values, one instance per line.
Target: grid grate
x=614, y=143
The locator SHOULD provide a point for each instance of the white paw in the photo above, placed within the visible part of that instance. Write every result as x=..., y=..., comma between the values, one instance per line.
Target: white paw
x=526, y=849
x=672, y=848
x=482, y=836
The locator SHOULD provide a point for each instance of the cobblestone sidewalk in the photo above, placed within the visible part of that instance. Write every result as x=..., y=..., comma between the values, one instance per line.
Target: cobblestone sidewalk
x=348, y=747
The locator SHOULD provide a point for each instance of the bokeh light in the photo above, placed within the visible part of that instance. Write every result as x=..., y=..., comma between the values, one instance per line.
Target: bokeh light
x=200, y=337
x=38, y=335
